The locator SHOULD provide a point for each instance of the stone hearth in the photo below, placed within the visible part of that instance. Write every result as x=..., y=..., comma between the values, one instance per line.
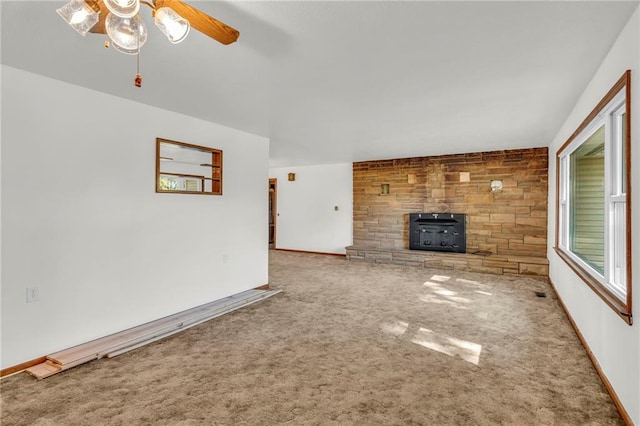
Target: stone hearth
x=492, y=264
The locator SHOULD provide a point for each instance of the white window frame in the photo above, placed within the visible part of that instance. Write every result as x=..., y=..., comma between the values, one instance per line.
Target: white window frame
x=614, y=285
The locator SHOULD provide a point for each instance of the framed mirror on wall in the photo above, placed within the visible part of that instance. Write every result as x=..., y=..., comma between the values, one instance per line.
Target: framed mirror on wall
x=183, y=168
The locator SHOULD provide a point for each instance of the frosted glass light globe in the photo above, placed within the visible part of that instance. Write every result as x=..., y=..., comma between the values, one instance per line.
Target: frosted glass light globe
x=79, y=16
x=174, y=26
x=127, y=34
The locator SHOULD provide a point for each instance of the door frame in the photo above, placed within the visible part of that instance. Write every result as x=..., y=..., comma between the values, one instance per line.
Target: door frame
x=273, y=199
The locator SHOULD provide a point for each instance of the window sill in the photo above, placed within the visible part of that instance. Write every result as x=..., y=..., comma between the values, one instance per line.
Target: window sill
x=620, y=308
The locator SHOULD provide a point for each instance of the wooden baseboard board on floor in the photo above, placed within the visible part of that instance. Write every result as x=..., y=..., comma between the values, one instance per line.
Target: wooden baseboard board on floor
x=18, y=368
x=612, y=393
x=135, y=337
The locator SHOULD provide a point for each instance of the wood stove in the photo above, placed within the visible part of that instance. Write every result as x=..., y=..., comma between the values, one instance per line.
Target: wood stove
x=437, y=232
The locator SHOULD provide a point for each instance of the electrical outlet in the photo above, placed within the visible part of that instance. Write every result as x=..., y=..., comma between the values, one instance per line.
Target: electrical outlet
x=33, y=294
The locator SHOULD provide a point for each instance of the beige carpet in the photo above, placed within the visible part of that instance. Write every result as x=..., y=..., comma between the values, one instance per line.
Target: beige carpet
x=345, y=344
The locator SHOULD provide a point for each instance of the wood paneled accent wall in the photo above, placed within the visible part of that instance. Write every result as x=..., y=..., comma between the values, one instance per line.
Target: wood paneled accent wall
x=512, y=221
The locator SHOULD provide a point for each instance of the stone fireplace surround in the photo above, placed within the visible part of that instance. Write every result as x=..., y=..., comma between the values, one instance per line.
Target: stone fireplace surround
x=506, y=229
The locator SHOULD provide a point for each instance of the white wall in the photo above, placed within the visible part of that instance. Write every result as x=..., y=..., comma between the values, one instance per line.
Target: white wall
x=615, y=344
x=308, y=220
x=81, y=219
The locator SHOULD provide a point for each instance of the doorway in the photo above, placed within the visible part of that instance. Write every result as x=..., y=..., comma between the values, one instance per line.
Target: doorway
x=273, y=211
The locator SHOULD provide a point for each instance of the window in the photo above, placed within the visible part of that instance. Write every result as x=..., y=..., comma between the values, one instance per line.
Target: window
x=593, y=203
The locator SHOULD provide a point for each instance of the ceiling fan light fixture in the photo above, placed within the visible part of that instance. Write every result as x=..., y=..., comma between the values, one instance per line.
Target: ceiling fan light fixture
x=127, y=34
x=79, y=15
x=174, y=26
x=123, y=8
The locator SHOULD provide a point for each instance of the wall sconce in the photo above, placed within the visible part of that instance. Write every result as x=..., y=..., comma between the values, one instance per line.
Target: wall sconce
x=291, y=177
x=384, y=189
x=411, y=178
x=496, y=185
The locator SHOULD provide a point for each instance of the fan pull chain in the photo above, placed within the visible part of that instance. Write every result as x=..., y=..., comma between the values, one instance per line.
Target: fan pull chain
x=138, y=80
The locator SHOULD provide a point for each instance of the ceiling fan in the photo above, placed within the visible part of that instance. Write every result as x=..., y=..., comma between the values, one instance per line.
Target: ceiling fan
x=120, y=20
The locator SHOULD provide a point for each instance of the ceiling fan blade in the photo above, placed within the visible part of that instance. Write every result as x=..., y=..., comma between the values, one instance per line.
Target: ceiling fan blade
x=201, y=21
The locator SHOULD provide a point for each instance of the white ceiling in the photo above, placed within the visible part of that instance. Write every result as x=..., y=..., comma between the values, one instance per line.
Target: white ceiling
x=343, y=81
